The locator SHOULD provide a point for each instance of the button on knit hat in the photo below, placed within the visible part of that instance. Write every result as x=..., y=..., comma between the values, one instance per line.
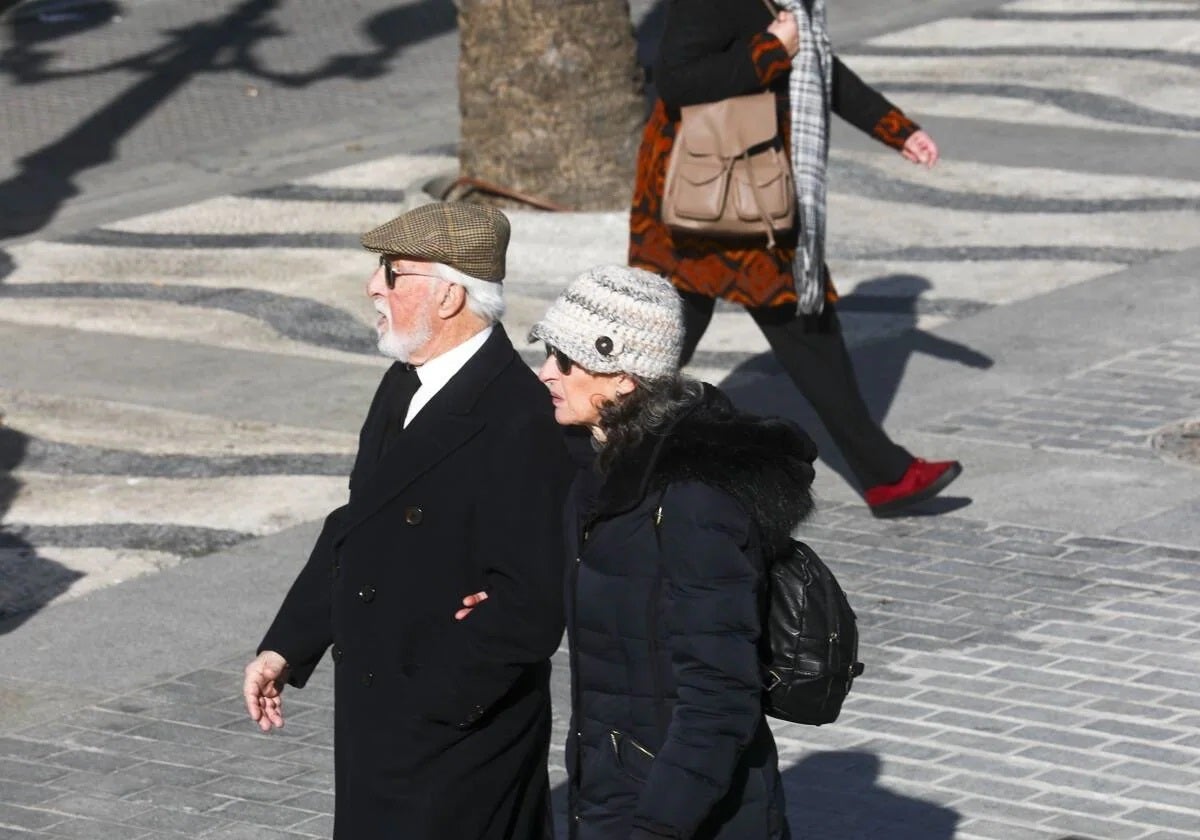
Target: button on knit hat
x=615, y=319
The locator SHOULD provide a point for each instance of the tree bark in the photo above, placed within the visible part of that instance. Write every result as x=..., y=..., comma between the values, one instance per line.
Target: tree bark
x=550, y=93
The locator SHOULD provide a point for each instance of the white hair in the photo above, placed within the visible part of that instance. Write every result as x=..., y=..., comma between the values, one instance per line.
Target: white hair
x=484, y=298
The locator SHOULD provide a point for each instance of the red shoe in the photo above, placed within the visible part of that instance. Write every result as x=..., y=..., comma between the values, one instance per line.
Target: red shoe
x=922, y=480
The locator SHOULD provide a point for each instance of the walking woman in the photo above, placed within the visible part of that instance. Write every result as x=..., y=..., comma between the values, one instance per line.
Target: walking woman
x=715, y=49
x=667, y=537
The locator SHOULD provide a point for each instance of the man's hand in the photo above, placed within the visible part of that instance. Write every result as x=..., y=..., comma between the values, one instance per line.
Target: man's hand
x=469, y=604
x=920, y=148
x=262, y=687
x=785, y=28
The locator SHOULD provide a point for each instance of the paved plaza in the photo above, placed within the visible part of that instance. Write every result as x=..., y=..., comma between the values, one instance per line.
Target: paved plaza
x=186, y=355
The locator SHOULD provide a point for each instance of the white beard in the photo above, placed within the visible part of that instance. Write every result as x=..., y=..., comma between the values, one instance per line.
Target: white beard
x=400, y=346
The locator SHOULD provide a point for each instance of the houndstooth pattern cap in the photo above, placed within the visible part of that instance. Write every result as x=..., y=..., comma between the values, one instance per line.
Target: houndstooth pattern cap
x=616, y=319
x=470, y=237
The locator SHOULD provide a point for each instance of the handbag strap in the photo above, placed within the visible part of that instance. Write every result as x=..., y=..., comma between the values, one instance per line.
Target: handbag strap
x=758, y=203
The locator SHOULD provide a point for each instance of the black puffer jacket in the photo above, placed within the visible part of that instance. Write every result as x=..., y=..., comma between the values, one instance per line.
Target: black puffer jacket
x=668, y=738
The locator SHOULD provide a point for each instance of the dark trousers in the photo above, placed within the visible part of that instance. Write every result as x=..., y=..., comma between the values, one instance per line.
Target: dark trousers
x=812, y=351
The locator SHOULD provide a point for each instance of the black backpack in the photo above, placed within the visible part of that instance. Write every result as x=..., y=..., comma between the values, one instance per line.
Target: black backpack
x=809, y=650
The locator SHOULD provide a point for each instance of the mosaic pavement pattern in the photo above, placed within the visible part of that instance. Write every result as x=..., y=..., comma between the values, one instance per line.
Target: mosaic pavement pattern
x=277, y=271
x=1021, y=683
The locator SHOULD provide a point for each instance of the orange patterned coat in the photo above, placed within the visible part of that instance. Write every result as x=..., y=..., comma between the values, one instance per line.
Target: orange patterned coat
x=745, y=273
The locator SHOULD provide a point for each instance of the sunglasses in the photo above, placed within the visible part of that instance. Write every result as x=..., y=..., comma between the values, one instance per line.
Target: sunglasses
x=390, y=274
x=561, y=359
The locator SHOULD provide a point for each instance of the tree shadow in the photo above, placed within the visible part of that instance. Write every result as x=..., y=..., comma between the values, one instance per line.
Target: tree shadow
x=45, y=179
x=887, y=306
x=837, y=794
x=27, y=581
x=26, y=59
x=391, y=32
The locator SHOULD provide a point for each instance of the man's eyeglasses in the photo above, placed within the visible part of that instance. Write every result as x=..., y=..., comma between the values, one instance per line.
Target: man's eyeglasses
x=561, y=359
x=390, y=274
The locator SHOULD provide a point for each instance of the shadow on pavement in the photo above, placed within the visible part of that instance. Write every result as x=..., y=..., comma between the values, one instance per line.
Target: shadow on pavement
x=32, y=197
x=879, y=365
x=836, y=794
x=27, y=582
x=391, y=31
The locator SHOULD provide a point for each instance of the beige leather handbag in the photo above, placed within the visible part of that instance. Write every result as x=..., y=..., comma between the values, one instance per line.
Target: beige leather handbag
x=727, y=174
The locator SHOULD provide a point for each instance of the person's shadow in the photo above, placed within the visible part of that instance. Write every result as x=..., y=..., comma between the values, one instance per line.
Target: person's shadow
x=884, y=312
x=836, y=794
x=27, y=581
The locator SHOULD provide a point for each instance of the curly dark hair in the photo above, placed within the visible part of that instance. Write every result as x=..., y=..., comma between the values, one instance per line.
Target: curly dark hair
x=650, y=407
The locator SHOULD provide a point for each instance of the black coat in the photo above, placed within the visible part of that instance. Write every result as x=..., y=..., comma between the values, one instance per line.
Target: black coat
x=442, y=727
x=668, y=738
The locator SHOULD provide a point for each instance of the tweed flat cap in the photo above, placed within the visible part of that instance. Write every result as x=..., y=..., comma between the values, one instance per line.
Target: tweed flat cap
x=616, y=319
x=470, y=237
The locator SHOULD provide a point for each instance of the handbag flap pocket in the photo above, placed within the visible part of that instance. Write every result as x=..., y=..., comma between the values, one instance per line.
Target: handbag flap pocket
x=699, y=187
x=770, y=193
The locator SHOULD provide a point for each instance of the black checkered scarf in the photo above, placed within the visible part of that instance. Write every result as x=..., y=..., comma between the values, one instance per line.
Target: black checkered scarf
x=810, y=91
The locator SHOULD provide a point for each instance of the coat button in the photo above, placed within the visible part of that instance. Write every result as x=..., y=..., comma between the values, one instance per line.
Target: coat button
x=367, y=594
x=367, y=679
x=337, y=568
x=413, y=516
x=336, y=653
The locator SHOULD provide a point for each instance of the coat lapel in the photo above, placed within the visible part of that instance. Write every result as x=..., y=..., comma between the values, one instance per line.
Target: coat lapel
x=445, y=424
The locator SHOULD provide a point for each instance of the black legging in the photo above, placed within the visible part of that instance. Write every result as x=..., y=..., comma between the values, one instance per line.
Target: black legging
x=812, y=351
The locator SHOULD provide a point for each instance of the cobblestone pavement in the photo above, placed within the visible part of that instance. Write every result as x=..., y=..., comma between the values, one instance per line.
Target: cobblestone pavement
x=1020, y=683
x=1024, y=679
x=1108, y=409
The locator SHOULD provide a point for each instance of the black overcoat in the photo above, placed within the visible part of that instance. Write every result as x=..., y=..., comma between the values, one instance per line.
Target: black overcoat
x=442, y=727
x=668, y=738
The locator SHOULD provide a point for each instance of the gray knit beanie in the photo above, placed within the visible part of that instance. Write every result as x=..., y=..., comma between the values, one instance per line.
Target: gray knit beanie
x=616, y=319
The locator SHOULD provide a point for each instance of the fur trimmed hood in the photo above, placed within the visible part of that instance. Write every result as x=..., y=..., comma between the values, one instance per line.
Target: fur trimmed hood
x=765, y=464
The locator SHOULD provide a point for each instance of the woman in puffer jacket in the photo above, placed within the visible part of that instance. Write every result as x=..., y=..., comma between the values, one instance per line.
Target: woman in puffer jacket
x=667, y=537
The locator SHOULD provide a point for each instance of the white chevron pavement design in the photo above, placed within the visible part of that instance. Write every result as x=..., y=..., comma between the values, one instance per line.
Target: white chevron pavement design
x=102, y=490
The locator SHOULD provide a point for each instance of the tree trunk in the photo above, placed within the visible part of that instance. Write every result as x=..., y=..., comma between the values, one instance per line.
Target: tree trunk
x=551, y=98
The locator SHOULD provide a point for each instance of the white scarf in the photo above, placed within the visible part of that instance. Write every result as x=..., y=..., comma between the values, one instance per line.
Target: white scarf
x=810, y=92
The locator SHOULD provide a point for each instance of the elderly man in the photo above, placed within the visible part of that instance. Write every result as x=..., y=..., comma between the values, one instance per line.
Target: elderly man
x=442, y=727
